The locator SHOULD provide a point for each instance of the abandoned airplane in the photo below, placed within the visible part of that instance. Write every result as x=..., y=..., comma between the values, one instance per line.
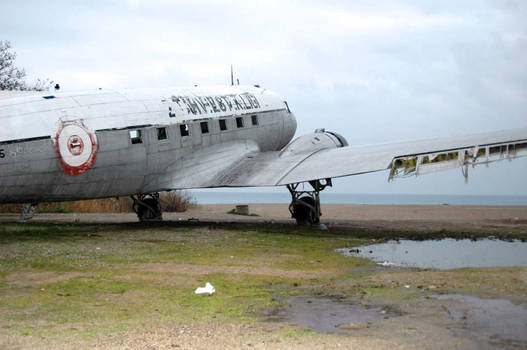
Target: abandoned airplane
x=96, y=144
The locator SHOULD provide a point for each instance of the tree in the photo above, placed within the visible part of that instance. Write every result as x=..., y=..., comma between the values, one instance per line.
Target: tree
x=12, y=77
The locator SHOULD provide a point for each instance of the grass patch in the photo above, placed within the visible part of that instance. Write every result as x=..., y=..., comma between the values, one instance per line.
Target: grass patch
x=85, y=281
x=66, y=278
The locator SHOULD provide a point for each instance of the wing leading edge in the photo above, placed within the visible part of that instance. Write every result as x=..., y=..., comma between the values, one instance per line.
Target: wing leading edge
x=328, y=160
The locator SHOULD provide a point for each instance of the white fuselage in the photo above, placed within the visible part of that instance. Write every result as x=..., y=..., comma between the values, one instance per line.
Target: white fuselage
x=95, y=144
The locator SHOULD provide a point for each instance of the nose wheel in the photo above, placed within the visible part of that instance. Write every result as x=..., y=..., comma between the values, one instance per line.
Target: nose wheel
x=147, y=207
x=305, y=205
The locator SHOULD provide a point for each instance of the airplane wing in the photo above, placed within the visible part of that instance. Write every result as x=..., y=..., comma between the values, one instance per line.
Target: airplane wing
x=322, y=155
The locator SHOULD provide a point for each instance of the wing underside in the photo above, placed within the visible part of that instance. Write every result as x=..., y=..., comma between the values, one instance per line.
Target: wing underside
x=248, y=167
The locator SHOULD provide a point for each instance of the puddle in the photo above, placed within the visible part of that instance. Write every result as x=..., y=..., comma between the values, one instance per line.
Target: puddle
x=329, y=316
x=444, y=254
x=494, y=323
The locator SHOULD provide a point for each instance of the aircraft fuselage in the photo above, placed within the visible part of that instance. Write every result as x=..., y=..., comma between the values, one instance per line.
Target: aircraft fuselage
x=70, y=146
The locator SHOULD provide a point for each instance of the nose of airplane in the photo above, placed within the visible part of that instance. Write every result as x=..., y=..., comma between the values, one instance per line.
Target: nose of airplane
x=289, y=128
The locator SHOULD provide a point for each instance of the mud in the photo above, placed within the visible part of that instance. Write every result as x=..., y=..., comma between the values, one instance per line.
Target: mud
x=492, y=323
x=324, y=315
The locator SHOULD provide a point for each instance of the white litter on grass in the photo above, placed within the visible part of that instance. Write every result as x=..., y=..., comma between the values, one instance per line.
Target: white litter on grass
x=386, y=263
x=208, y=289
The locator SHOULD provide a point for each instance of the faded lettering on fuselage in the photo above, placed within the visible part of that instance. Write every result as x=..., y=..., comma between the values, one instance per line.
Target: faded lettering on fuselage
x=198, y=105
x=18, y=150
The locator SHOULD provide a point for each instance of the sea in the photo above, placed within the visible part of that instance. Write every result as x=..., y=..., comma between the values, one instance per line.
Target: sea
x=236, y=197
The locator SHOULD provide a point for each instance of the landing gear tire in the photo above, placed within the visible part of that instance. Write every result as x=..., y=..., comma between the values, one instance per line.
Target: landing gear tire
x=28, y=211
x=147, y=207
x=305, y=204
x=304, y=211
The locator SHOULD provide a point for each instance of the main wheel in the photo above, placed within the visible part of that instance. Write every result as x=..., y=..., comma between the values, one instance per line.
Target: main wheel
x=149, y=210
x=304, y=211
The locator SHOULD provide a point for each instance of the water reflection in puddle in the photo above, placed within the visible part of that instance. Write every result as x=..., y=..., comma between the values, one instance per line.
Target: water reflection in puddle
x=444, y=254
x=329, y=316
x=494, y=323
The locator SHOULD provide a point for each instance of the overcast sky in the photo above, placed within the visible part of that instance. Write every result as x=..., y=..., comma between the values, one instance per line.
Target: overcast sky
x=374, y=71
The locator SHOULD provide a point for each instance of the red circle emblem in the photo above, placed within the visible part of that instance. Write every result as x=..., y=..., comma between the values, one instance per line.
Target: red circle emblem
x=75, y=145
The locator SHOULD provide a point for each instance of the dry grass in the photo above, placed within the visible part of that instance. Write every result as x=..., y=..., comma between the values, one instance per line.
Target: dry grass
x=175, y=201
x=107, y=205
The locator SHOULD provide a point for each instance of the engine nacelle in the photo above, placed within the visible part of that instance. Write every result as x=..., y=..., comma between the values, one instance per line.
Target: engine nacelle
x=320, y=139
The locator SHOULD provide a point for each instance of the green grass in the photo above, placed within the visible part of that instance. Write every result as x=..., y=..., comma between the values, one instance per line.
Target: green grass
x=90, y=285
x=84, y=281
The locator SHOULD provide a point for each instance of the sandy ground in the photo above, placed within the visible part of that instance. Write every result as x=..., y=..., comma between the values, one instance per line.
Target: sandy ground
x=349, y=213
x=392, y=217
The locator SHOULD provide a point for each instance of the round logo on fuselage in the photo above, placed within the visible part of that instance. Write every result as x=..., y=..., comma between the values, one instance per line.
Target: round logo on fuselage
x=76, y=147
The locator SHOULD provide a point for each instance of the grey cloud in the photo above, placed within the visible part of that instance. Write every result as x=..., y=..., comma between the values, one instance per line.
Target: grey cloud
x=460, y=69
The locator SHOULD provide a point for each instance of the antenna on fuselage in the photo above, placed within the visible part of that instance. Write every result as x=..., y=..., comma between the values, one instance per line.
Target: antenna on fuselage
x=232, y=77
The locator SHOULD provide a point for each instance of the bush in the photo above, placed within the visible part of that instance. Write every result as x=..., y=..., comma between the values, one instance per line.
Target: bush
x=176, y=201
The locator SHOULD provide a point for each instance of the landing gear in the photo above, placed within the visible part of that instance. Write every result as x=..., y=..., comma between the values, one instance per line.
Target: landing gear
x=27, y=212
x=147, y=207
x=305, y=205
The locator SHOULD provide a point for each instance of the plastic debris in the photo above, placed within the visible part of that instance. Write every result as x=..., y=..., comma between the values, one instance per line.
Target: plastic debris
x=208, y=289
x=386, y=263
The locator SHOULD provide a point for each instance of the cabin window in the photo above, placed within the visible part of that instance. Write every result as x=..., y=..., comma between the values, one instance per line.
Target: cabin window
x=184, y=130
x=239, y=122
x=136, y=137
x=161, y=133
x=254, y=119
x=223, y=125
x=204, y=127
